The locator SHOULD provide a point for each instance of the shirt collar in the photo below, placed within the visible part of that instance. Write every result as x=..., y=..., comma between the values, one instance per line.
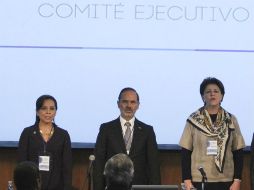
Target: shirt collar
x=123, y=121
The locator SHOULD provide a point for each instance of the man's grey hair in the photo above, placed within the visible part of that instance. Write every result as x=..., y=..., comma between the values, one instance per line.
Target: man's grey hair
x=119, y=171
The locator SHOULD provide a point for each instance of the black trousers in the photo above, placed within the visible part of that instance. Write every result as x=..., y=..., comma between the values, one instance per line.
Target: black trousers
x=213, y=185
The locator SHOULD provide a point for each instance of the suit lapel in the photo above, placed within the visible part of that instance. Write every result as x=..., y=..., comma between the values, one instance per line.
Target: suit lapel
x=137, y=133
x=119, y=135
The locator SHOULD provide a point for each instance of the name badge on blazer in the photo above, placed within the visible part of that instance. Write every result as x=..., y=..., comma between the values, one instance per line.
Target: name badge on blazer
x=44, y=163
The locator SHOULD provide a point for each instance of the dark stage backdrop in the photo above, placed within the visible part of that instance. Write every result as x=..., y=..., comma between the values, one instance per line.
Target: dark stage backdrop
x=170, y=167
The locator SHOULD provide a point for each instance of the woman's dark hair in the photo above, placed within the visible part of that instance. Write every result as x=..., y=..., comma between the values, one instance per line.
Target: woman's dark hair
x=125, y=90
x=211, y=80
x=27, y=176
x=39, y=103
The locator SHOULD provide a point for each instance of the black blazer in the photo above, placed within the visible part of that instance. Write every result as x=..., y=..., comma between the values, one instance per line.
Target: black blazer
x=143, y=152
x=31, y=145
x=252, y=164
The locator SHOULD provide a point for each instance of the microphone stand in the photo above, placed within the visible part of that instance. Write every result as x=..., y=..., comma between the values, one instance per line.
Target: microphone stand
x=204, y=179
x=90, y=172
x=90, y=181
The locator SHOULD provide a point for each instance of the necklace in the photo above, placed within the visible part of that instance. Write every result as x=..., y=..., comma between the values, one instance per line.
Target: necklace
x=47, y=133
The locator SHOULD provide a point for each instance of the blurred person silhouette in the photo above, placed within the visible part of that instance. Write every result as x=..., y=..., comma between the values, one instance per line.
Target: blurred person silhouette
x=252, y=163
x=119, y=171
x=27, y=176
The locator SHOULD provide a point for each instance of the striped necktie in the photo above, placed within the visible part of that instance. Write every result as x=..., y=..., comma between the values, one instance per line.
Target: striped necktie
x=127, y=136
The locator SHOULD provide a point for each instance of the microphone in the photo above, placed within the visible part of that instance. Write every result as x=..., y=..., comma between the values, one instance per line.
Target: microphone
x=90, y=166
x=90, y=172
x=202, y=171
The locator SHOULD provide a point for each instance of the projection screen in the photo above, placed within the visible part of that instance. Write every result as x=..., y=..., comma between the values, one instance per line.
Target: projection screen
x=83, y=52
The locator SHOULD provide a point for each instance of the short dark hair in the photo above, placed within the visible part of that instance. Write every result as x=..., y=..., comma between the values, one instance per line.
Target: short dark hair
x=26, y=176
x=39, y=103
x=211, y=80
x=119, y=171
x=127, y=89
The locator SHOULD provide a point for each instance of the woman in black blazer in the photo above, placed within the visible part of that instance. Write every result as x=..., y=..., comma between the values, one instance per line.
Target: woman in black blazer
x=48, y=146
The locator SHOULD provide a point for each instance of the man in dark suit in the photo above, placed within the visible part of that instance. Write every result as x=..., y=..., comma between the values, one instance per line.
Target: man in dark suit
x=128, y=135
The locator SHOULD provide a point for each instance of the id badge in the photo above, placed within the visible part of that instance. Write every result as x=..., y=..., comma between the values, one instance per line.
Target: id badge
x=212, y=147
x=44, y=163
